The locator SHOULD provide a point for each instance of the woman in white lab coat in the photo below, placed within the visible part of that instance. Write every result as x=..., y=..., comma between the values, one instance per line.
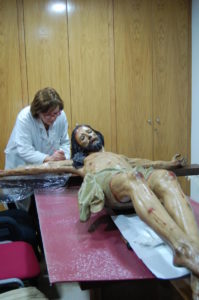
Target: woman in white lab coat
x=40, y=133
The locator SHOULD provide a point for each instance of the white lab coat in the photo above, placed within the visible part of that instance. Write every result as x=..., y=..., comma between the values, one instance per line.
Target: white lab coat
x=30, y=143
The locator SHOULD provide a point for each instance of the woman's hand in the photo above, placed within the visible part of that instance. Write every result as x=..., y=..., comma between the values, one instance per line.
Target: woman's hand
x=56, y=156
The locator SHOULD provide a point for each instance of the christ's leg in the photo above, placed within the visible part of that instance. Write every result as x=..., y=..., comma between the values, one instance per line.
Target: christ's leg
x=167, y=188
x=152, y=212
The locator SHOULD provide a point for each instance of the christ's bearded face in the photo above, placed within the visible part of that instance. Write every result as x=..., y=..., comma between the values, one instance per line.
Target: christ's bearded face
x=88, y=139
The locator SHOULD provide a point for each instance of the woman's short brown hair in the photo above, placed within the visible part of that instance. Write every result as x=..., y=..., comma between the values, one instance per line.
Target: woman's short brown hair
x=45, y=100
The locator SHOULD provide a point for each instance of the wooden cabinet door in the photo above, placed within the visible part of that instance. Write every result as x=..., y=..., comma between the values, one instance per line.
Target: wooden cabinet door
x=133, y=77
x=90, y=70
x=46, y=41
x=152, y=75
x=171, y=78
x=10, y=78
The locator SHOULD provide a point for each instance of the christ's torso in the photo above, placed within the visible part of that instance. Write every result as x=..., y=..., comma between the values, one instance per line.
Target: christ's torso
x=99, y=161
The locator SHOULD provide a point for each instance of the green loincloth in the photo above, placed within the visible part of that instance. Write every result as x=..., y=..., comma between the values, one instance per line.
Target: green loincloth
x=95, y=189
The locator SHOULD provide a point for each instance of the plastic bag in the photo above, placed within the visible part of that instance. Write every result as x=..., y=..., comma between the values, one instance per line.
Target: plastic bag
x=16, y=188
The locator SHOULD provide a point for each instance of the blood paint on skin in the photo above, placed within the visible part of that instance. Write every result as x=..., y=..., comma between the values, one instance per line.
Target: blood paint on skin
x=139, y=175
x=150, y=210
x=172, y=175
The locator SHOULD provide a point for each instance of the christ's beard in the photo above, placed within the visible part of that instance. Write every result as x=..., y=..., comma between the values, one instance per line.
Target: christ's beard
x=94, y=147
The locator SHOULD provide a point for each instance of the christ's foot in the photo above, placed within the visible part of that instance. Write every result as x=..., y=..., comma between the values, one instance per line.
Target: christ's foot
x=187, y=255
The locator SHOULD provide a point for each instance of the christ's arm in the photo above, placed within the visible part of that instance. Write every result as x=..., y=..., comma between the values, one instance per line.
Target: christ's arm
x=56, y=167
x=177, y=161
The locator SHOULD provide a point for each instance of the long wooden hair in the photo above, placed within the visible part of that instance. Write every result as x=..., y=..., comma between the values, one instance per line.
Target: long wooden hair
x=77, y=152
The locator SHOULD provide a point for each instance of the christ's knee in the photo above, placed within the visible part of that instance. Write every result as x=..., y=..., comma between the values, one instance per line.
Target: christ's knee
x=161, y=177
x=164, y=184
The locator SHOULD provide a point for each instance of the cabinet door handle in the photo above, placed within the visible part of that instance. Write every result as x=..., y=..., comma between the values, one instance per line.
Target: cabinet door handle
x=158, y=120
x=149, y=121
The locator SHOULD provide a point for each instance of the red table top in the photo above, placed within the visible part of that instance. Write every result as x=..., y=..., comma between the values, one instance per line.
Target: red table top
x=79, y=252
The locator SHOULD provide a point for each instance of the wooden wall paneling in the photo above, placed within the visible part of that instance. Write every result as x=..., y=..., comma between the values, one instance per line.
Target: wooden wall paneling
x=171, y=64
x=89, y=52
x=22, y=52
x=133, y=75
x=46, y=41
x=171, y=79
x=10, y=82
x=112, y=77
x=189, y=11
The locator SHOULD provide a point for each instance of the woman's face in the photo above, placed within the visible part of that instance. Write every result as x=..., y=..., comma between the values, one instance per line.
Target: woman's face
x=50, y=116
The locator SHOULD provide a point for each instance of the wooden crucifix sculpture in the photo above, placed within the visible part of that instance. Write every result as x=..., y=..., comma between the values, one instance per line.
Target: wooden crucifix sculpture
x=116, y=180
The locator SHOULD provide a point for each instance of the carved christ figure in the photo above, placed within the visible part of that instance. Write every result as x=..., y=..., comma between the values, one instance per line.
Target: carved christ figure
x=154, y=192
